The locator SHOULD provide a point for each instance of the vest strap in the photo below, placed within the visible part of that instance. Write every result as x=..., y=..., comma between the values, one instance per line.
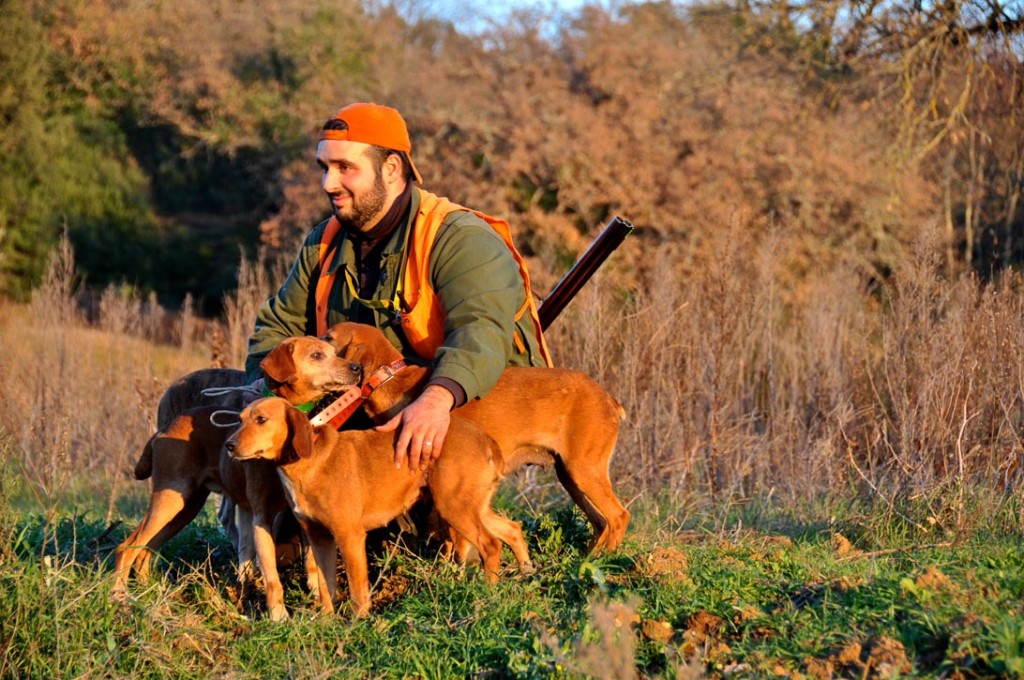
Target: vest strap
x=325, y=281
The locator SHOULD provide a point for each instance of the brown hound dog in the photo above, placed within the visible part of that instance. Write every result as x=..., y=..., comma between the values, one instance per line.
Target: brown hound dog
x=342, y=484
x=538, y=416
x=187, y=462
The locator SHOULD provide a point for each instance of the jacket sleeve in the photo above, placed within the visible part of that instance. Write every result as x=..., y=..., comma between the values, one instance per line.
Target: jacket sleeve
x=288, y=312
x=477, y=282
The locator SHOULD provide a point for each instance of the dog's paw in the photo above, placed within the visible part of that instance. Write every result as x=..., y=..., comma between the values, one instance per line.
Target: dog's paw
x=120, y=597
x=247, y=573
x=279, y=614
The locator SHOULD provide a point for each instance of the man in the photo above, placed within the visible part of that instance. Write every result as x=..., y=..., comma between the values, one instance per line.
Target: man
x=442, y=282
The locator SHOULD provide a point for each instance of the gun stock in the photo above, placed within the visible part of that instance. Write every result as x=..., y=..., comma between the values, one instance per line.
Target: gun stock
x=565, y=290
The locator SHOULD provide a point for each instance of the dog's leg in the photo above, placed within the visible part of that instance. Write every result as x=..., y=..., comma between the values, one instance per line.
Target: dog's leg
x=458, y=548
x=263, y=538
x=194, y=501
x=228, y=521
x=462, y=493
x=313, y=576
x=508, y=532
x=325, y=553
x=352, y=542
x=466, y=517
x=487, y=544
x=453, y=546
x=591, y=489
x=128, y=553
x=169, y=511
x=511, y=534
x=246, y=548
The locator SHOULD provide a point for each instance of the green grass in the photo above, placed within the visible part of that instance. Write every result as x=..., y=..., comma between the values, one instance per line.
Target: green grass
x=746, y=602
x=749, y=592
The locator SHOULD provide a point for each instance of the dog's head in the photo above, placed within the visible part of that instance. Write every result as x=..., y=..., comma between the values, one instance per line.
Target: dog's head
x=306, y=368
x=362, y=344
x=271, y=429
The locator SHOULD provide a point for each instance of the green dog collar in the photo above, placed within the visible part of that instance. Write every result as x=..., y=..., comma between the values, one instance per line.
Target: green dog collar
x=304, y=408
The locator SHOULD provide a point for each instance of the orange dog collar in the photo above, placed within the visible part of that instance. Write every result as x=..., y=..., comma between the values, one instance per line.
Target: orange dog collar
x=342, y=408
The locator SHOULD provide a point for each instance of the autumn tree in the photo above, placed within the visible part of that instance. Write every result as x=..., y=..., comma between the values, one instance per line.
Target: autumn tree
x=951, y=74
x=838, y=129
x=64, y=165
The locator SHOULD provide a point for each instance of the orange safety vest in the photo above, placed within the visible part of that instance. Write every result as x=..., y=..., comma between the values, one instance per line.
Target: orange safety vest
x=421, y=314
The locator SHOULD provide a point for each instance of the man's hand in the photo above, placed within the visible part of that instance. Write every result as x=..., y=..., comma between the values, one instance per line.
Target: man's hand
x=424, y=424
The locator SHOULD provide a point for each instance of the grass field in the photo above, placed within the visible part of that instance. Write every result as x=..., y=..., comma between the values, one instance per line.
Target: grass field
x=786, y=598
x=846, y=507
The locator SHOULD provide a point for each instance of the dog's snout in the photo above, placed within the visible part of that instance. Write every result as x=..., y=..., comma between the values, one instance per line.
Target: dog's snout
x=231, y=445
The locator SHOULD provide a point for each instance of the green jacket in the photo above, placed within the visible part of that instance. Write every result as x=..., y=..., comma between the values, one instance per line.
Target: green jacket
x=475, y=278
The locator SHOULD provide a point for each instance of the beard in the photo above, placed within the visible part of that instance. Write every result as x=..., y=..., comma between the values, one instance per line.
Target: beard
x=365, y=207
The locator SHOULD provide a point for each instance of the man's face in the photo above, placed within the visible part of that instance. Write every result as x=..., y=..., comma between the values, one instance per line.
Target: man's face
x=353, y=183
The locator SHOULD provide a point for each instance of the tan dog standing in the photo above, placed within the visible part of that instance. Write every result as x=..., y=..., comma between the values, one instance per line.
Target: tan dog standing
x=342, y=484
x=186, y=461
x=537, y=416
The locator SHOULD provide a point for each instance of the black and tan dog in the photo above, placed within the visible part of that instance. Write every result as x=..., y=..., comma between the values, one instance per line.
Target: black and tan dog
x=187, y=462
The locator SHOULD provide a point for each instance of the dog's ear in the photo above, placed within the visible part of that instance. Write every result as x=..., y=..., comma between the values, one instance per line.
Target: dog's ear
x=358, y=353
x=301, y=432
x=279, y=365
x=338, y=339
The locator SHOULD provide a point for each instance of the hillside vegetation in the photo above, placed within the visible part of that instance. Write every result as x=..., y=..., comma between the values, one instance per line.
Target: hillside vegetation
x=168, y=138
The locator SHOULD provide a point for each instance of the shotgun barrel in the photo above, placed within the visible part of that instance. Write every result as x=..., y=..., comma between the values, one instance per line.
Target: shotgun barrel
x=565, y=290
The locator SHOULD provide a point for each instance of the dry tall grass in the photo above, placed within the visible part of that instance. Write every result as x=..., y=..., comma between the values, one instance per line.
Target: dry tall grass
x=240, y=309
x=736, y=388
x=79, y=398
x=81, y=395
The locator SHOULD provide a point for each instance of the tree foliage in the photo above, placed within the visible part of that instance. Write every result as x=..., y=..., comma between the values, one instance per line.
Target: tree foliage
x=65, y=166
x=167, y=136
x=950, y=75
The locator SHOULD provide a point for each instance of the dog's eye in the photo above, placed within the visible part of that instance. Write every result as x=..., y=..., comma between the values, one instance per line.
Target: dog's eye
x=260, y=420
x=317, y=356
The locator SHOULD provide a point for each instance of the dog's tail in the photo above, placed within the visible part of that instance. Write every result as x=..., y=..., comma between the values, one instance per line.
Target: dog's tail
x=144, y=468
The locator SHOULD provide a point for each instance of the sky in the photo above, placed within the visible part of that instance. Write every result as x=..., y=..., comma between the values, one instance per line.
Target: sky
x=476, y=16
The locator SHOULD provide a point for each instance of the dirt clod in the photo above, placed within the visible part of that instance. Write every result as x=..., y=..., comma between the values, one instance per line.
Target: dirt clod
x=818, y=668
x=665, y=562
x=656, y=630
x=704, y=624
x=881, y=657
x=933, y=579
x=843, y=546
x=850, y=655
x=888, y=658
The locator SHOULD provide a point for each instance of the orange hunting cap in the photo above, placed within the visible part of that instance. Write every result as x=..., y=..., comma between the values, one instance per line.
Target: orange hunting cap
x=374, y=124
